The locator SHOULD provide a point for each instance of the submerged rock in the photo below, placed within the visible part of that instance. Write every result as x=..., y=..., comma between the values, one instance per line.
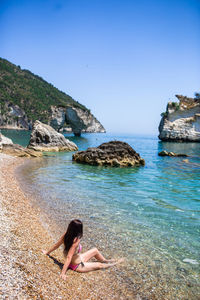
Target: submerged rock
x=166, y=153
x=114, y=153
x=45, y=138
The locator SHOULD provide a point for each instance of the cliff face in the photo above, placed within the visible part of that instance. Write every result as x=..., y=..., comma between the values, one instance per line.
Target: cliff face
x=26, y=97
x=13, y=117
x=181, y=121
x=75, y=120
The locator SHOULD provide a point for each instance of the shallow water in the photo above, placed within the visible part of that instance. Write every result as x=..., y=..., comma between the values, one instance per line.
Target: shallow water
x=151, y=214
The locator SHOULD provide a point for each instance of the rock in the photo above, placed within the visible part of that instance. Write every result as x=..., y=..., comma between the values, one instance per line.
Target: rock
x=4, y=141
x=77, y=120
x=45, y=138
x=14, y=117
x=17, y=150
x=165, y=153
x=181, y=121
x=7, y=147
x=186, y=161
x=114, y=153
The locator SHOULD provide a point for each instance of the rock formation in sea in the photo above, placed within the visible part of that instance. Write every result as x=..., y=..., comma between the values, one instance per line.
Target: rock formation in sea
x=26, y=97
x=181, y=121
x=46, y=138
x=166, y=153
x=78, y=120
x=114, y=154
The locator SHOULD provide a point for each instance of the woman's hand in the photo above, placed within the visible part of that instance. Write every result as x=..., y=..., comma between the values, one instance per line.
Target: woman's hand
x=44, y=252
x=63, y=276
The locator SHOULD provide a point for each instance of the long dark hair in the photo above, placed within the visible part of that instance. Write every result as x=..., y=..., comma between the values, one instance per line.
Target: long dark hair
x=74, y=230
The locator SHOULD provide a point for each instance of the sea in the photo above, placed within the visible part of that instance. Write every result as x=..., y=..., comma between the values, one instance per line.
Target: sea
x=150, y=214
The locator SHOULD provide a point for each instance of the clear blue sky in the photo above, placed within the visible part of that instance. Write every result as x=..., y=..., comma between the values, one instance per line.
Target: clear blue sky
x=122, y=59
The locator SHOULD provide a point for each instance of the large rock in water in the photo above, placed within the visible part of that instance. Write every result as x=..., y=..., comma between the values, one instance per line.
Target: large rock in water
x=181, y=121
x=78, y=120
x=114, y=153
x=45, y=138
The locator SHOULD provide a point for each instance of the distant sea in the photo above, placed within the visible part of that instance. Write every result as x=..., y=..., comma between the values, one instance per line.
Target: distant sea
x=150, y=214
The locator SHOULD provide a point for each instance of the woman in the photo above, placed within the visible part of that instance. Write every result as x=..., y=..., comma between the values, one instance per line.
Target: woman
x=75, y=260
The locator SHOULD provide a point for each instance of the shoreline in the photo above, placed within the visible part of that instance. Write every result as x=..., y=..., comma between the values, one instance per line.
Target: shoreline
x=29, y=274
x=26, y=228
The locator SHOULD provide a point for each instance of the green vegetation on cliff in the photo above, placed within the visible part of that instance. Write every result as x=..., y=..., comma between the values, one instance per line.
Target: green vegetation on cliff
x=30, y=92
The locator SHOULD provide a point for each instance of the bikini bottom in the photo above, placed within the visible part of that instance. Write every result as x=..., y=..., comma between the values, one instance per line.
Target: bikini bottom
x=74, y=267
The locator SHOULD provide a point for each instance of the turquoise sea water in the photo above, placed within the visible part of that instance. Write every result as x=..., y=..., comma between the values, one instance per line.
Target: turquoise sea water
x=149, y=214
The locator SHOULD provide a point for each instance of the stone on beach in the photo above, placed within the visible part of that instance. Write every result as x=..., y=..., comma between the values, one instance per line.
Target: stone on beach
x=17, y=150
x=114, y=153
x=4, y=141
x=8, y=147
x=45, y=138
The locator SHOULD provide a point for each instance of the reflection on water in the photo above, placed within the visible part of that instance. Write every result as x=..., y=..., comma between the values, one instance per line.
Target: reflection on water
x=149, y=214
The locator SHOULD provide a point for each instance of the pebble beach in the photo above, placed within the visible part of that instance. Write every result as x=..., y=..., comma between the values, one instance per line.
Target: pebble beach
x=25, y=272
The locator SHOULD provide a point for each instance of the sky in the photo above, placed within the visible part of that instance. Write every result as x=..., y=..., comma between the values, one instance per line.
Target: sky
x=123, y=59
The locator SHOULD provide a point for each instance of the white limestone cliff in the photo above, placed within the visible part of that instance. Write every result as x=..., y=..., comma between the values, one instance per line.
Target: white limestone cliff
x=77, y=119
x=181, y=121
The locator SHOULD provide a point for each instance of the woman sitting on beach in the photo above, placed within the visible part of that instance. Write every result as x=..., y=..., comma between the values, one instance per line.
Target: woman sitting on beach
x=72, y=248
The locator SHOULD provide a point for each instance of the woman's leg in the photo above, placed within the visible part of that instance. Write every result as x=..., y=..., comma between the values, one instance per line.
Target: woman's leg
x=93, y=266
x=94, y=252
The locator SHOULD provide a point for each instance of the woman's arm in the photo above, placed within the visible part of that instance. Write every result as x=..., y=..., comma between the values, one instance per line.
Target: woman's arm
x=55, y=246
x=69, y=258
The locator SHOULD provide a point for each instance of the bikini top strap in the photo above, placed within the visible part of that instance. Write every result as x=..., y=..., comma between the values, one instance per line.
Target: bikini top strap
x=79, y=248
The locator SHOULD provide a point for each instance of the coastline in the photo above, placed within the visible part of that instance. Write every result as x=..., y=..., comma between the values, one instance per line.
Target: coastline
x=27, y=227
x=27, y=273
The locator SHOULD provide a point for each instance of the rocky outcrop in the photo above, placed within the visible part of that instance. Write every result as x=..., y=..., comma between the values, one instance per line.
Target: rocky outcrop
x=13, y=117
x=114, y=154
x=7, y=147
x=17, y=150
x=166, y=153
x=25, y=97
x=45, y=138
x=181, y=121
x=77, y=119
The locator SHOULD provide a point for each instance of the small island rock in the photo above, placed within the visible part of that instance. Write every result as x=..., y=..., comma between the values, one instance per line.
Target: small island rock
x=114, y=153
x=181, y=121
x=166, y=153
x=45, y=138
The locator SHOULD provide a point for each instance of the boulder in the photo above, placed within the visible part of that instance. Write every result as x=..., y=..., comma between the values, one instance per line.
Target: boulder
x=7, y=147
x=166, y=153
x=4, y=141
x=114, y=153
x=45, y=138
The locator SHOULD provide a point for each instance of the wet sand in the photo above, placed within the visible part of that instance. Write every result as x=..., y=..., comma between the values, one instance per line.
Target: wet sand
x=25, y=272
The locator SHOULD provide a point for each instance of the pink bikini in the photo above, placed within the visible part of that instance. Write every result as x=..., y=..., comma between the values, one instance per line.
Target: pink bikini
x=74, y=267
